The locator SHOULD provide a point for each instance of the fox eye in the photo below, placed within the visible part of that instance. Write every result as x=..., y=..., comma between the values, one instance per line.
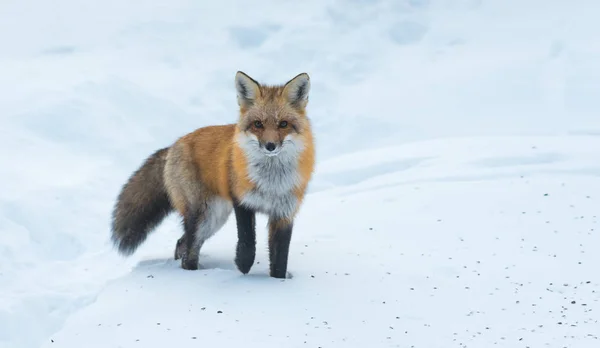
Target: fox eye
x=283, y=124
x=258, y=124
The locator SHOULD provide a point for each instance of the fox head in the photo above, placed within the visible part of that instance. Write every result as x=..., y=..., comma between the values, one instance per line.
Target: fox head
x=272, y=119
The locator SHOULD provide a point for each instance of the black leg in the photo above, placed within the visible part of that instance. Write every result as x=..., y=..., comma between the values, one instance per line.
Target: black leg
x=187, y=246
x=280, y=235
x=246, y=245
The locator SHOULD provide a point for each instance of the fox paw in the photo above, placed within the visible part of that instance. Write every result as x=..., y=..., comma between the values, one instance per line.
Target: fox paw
x=244, y=259
x=281, y=275
x=189, y=264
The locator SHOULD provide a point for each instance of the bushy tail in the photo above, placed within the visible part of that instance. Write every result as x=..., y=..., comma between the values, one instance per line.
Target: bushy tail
x=142, y=204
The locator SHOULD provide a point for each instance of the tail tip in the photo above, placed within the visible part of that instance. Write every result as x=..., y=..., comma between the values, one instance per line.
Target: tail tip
x=124, y=244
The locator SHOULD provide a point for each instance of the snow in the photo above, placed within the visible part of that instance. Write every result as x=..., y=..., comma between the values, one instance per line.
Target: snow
x=455, y=200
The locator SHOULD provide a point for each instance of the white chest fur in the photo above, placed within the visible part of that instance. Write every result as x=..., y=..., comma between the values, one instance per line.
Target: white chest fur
x=275, y=181
x=275, y=178
x=276, y=206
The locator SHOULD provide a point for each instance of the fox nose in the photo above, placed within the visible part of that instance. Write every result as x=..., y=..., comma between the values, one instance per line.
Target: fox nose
x=270, y=146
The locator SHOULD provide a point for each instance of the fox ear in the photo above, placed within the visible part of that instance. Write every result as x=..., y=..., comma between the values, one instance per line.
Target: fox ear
x=247, y=89
x=296, y=90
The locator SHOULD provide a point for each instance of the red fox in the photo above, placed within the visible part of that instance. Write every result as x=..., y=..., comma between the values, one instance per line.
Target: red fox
x=261, y=164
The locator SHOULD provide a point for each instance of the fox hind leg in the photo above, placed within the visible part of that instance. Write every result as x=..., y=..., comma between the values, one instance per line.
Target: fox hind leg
x=180, y=248
x=199, y=226
x=188, y=248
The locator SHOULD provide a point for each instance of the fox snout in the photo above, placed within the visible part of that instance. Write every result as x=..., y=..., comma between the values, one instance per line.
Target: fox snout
x=270, y=146
x=270, y=141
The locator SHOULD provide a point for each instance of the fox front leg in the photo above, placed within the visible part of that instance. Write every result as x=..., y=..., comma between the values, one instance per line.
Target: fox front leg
x=246, y=245
x=280, y=236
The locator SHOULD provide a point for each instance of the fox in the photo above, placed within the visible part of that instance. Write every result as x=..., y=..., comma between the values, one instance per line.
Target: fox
x=261, y=164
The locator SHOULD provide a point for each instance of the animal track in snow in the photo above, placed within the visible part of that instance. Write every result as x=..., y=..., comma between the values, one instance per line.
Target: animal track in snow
x=353, y=176
x=542, y=158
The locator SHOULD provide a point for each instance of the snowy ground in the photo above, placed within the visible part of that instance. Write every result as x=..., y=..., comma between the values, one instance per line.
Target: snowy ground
x=478, y=248
x=456, y=196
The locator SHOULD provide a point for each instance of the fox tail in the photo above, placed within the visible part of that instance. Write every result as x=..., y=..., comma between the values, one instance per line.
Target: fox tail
x=141, y=205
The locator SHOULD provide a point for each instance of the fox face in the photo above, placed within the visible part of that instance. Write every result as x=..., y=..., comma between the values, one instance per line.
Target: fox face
x=272, y=119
